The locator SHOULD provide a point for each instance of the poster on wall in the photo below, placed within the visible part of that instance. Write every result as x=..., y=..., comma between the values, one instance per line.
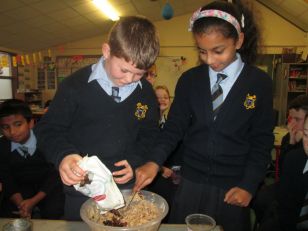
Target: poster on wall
x=5, y=65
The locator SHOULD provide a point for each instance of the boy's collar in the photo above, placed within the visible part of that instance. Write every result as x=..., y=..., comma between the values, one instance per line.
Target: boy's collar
x=30, y=144
x=99, y=73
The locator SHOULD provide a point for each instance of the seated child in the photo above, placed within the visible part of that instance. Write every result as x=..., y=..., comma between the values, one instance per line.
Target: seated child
x=289, y=211
x=28, y=180
x=166, y=183
x=297, y=111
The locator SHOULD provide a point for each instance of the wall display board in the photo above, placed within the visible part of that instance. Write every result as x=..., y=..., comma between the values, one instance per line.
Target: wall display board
x=5, y=65
x=169, y=69
x=66, y=65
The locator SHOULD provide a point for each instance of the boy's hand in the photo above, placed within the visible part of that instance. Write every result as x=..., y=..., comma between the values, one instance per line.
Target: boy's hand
x=26, y=207
x=69, y=170
x=145, y=175
x=295, y=133
x=237, y=196
x=124, y=175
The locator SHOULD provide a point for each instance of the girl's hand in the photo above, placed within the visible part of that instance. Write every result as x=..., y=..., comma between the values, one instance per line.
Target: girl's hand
x=26, y=207
x=145, y=175
x=237, y=196
x=124, y=175
x=69, y=170
x=166, y=172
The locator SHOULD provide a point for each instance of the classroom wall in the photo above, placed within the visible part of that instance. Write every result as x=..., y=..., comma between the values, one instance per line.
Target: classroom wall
x=176, y=42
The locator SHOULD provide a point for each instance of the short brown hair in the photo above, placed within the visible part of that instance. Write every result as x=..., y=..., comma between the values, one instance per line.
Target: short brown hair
x=300, y=102
x=135, y=39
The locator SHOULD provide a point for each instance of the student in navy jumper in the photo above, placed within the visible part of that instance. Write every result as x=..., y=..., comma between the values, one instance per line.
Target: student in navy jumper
x=28, y=179
x=85, y=119
x=167, y=180
x=285, y=212
x=224, y=157
x=266, y=196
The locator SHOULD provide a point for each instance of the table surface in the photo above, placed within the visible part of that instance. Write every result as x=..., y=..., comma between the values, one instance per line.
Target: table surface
x=61, y=225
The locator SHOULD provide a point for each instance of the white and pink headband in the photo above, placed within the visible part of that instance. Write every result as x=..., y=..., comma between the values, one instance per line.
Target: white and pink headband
x=217, y=14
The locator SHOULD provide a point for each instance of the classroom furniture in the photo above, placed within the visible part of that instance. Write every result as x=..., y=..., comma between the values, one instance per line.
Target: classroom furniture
x=291, y=80
x=61, y=225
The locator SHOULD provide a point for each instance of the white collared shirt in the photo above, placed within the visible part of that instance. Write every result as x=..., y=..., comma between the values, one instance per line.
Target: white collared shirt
x=306, y=167
x=99, y=74
x=232, y=71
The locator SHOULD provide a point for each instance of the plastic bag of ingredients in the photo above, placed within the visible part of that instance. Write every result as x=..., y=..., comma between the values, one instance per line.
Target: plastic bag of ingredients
x=99, y=185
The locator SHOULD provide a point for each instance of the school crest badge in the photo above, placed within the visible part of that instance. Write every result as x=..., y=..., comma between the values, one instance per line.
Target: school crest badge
x=141, y=111
x=249, y=102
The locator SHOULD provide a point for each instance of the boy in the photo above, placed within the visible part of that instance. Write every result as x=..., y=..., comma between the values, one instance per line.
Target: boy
x=291, y=213
x=28, y=180
x=105, y=110
x=298, y=109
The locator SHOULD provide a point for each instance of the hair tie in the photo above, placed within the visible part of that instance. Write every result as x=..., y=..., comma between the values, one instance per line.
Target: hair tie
x=217, y=14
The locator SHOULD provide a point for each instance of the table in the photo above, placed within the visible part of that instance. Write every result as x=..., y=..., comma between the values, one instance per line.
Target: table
x=61, y=225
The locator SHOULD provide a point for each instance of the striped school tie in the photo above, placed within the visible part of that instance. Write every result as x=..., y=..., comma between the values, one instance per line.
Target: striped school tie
x=217, y=94
x=115, y=94
x=25, y=151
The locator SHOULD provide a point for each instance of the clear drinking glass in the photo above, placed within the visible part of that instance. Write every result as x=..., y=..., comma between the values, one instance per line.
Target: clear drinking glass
x=200, y=222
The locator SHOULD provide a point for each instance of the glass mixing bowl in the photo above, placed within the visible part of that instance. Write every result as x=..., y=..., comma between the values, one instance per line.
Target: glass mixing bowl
x=153, y=225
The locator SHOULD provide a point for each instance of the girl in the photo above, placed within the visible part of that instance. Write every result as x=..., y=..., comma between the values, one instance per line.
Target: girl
x=163, y=97
x=167, y=180
x=225, y=123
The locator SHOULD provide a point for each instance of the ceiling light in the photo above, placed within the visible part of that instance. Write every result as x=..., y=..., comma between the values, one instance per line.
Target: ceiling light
x=107, y=9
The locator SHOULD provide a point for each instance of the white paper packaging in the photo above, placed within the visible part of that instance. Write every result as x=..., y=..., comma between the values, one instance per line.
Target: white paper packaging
x=102, y=188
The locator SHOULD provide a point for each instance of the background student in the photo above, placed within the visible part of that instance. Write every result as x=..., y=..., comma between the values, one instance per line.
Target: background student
x=223, y=112
x=289, y=212
x=106, y=109
x=266, y=197
x=166, y=182
x=28, y=179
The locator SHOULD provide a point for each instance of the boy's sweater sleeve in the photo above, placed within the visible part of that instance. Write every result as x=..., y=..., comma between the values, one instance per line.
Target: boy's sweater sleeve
x=51, y=131
x=8, y=182
x=148, y=132
x=52, y=180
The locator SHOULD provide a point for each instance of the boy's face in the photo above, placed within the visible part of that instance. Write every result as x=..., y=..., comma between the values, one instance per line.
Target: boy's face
x=305, y=137
x=16, y=128
x=119, y=71
x=297, y=118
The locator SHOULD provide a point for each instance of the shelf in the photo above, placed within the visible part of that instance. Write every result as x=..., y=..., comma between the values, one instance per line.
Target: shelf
x=291, y=81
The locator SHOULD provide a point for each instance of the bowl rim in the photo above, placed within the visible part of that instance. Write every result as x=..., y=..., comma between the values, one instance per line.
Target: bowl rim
x=158, y=221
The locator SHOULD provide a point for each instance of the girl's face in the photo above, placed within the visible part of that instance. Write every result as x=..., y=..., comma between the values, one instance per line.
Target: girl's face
x=305, y=137
x=163, y=99
x=216, y=50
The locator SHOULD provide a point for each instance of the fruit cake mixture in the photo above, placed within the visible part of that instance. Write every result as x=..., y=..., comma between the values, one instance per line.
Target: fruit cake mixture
x=139, y=212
